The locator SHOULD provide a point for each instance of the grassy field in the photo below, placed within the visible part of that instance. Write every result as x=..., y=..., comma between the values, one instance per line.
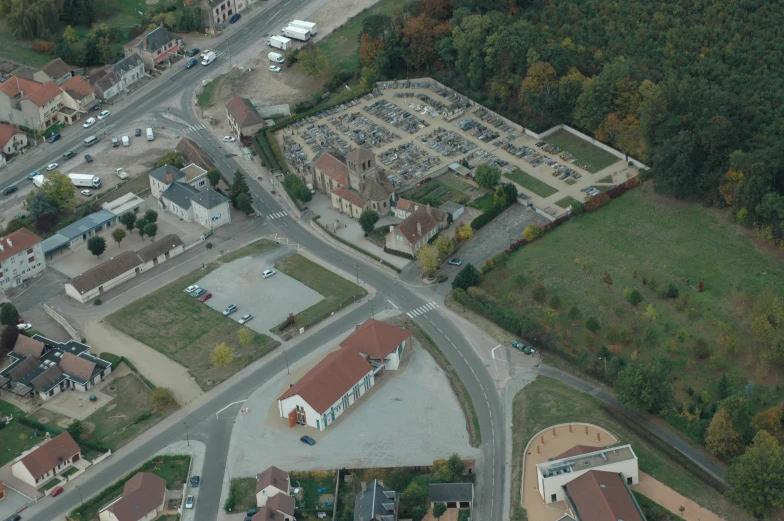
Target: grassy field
x=483, y=203
x=342, y=45
x=337, y=291
x=531, y=183
x=205, y=96
x=19, y=53
x=582, y=150
x=566, y=202
x=14, y=438
x=254, y=248
x=645, y=243
x=245, y=493
x=115, y=425
x=547, y=402
x=437, y=193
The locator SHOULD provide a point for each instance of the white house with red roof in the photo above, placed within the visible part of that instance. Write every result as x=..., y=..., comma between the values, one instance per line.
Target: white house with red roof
x=12, y=140
x=379, y=343
x=37, y=466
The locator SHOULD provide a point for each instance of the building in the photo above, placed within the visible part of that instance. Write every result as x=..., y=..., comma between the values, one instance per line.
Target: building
x=121, y=268
x=12, y=140
x=553, y=475
x=455, y=495
x=2, y=491
x=143, y=499
x=598, y=495
x=75, y=234
x=45, y=461
x=42, y=367
x=193, y=154
x=56, y=70
x=162, y=178
x=111, y=80
x=403, y=208
x=154, y=47
x=220, y=12
x=414, y=232
x=270, y=483
x=21, y=257
x=79, y=95
x=128, y=203
x=454, y=210
x=380, y=343
x=186, y=194
x=375, y=502
x=242, y=115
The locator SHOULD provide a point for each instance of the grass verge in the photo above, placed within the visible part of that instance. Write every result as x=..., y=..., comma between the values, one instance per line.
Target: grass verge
x=205, y=96
x=654, y=511
x=244, y=493
x=254, y=248
x=531, y=183
x=583, y=151
x=484, y=202
x=566, y=202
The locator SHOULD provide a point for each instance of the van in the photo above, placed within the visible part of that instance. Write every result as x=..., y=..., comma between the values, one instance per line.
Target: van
x=126, y=141
x=69, y=155
x=115, y=142
x=90, y=141
x=150, y=135
x=275, y=57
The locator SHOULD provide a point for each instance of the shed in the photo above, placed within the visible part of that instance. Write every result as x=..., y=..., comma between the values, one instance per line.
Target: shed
x=455, y=495
x=81, y=230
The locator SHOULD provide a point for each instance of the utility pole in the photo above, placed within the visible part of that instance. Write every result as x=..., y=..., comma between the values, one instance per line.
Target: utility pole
x=357, y=268
x=186, y=434
x=286, y=354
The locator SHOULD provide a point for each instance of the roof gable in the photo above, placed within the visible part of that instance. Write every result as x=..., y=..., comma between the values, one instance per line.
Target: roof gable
x=105, y=272
x=159, y=247
x=77, y=87
x=193, y=153
x=128, y=63
x=273, y=476
x=77, y=366
x=577, y=450
x=243, y=112
x=20, y=240
x=29, y=347
x=162, y=174
x=209, y=199
x=180, y=194
x=282, y=503
x=50, y=454
x=7, y=132
x=333, y=165
x=350, y=196
x=375, y=338
x=142, y=494
x=417, y=225
x=602, y=496
x=56, y=69
x=17, y=85
x=44, y=95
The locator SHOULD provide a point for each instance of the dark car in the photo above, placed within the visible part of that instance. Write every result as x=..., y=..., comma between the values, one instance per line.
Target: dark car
x=308, y=440
x=234, y=18
x=88, y=158
x=15, y=517
x=69, y=155
x=252, y=511
x=33, y=174
x=193, y=52
x=54, y=137
x=97, y=106
x=138, y=132
x=195, y=481
x=191, y=63
x=8, y=190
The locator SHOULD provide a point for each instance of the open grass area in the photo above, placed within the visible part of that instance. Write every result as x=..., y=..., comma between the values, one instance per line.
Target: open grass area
x=342, y=45
x=205, y=96
x=531, y=183
x=546, y=402
x=15, y=438
x=19, y=53
x=129, y=414
x=437, y=193
x=645, y=243
x=244, y=493
x=566, y=202
x=483, y=203
x=254, y=248
x=582, y=150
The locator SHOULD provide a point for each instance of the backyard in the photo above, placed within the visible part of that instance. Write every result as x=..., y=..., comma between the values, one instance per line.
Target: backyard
x=311, y=482
x=583, y=151
x=15, y=438
x=531, y=183
x=546, y=402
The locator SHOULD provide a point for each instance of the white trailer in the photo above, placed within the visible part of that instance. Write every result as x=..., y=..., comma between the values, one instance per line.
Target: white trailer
x=39, y=180
x=310, y=26
x=298, y=33
x=280, y=42
x=85, y=180
x=208, y=58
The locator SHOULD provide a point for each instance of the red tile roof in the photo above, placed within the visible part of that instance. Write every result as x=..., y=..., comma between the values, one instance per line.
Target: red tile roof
x=359, y=156
x=602, y=496
x=375, y=338
x=409, y=229
x=352, y=197
x=333, y=166
x=243, y=112
x=20, y=240
x=272, y=476
x=281, y=503
x=142, y=494
x=405, y=205
x=45, y=94
x=27, y=346
x=330, y=379
x=577, y=450
x=16, y=84
x=77, y=87
x=50, y=454
x=6, y=133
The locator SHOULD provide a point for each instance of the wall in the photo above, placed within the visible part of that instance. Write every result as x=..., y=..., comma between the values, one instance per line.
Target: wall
x=62, y=321
x=272, y=111
x=96, y=292
x=594, y=142
x=214, y=217
x=16, y=143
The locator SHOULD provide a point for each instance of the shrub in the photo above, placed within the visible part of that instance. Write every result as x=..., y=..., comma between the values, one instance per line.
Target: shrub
x=599, y=201
x=508, y=319
x=672, y=291
x=592, y=325
x=701, y=349
x=539, y=293
x=555, y=302
x=575, y=313
x=486, y=217
x=467, y=277
x=209, y=245
x=635, y=297
x=532, y=232
x=97, y=302
x=44, y=47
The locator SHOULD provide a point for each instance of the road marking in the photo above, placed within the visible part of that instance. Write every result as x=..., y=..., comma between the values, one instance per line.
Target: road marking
x=421, y=310
x=277, y=215
x=393, y=304
x=276, y=13
x=233, y=403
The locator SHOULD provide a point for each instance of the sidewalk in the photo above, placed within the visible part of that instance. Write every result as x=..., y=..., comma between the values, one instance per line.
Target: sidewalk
x=672, y=501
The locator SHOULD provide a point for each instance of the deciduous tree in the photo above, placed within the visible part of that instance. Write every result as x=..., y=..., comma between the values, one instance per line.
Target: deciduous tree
x=69, y=35
x=313, y=61
x=439, y=509
x=245, y=336
x=151, y=216
x=368, y=220
x=151, y=230
x=174, y=159
x=721, y=439
x=128, y=220
x=76, y=429
x=427, y=256
x=96, y=245
x=222, y=355
x=59, y=189
x=444, y=245
x=141, y=224
x=487, y=176
x=464, y=232
x=213, y=177
x=9, y=316
x=532, y=232
x=643, y=387
x=756, y=478
x=8, y=339
x=162, y=397
x=118, y=235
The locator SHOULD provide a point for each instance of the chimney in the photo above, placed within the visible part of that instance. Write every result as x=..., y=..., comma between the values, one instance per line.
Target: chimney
x=419, y=228
x=169, y=178
x=10, y=244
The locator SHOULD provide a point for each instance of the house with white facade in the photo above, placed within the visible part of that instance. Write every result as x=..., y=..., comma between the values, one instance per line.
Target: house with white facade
x=12, y=140
x=113, y=79
x=143, y=498
x=154, y=47
x=21, y=257
x=46, y=460
x=380, y=343
x=187, y=194
x=414, y=232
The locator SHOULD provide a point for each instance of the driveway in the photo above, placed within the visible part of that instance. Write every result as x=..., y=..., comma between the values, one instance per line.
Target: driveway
x=13, y=502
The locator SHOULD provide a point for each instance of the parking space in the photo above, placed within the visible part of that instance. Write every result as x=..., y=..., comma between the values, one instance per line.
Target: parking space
x=269, y=300
x=13, y=503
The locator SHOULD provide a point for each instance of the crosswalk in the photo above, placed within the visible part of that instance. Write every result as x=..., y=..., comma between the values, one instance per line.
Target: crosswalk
x=276, y=215
x=430, y=306
x=194, y=128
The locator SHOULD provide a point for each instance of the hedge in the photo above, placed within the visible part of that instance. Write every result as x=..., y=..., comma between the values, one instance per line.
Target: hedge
x=41, y=427
x=487, y=216
x=506, y=318
x=360, y=250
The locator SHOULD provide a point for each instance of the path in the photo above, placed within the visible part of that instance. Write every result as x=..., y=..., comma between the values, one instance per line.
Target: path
x=156, y=367
x=672, y=501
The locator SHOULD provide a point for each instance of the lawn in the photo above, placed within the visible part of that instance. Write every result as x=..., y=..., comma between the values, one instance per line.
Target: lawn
x=483, y=203
x=342, y=45
x=583, y=151
x=337, y=291
x=311, y=482
x=645, y=243
x=15, y=438
x=531, y=183
x=436, y=193
x=205, y=96
x=254, y=248
x=244, y=493
x=128, y=415
x=546, y=402
x=15, y=51
x=184, y=329
x=566, y=202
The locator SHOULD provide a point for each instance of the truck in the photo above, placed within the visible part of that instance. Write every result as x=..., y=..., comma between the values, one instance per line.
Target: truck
x=208, y=57
x=39, y=180
x=275, y=57
x=122, y=174
x=310, y=26
x=279, y=42
x=126, y=141
x=85, y=180
x=298, y=33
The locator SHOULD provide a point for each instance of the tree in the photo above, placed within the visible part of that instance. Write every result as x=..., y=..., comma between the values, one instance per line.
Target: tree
x=574, y=313
x=91, y=55
x=69, y=35
x=151, y=216
x=643, y=387
x=213, y=177
x=141, y=224
x=63, y=51
x=76, y=429
x=8, y=339
x=771, y=420
x=439, y=509
x=427, y=256
x=443, y=473
x=96, y=245
x=162, y=397
x=607, y=279
x=59, y=189
x=238, y=186
x=368, y=221
x=151, y=230
x=9, y=316
x=174, y=159
x=651, y=313
x=635, y=297
x=14, y=224
x=245, y=336
x=721, y=439
x=539, y=293
x=128, y=220
x=724, y=386
x=222, y=355
x=444, y=245
x=464, y=232
x=756, y=478
x=466, y=277
x=118, y=235
x=46, y=222
x=592, y=324
x=244, y=204
x=532, y=232
x=313, y=61
x=39, y=204
x=487, y=176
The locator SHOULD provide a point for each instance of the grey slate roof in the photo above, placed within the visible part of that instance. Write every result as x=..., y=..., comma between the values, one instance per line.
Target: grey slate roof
x=159, y=247
x=76, y=229
x=155, y=39
x=128, y=64
x=180, y=194
x=209, y=198
x=443, y=492
x=161, y=172
x=376, y=500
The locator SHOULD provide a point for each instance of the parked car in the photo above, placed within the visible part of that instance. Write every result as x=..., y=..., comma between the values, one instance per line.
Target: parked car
x=138, y=132
x=97, y=106
x=24, y=327
x=88, y=158
x=252, y=511
x=245, y=319
x=15, y=517
x=33, y=174
x=267, y=274
x=86, y=193
x=308, y=440
x=235, y=18
x=54, y=137
x=189, y=501
x=8, y=190
x=193, y=52
x=195, y=481
x=193, y=62
x=207, y=296
x=52, y=166
x=229, y=139
x=455, y=262
x=104, y=114
x=89, y=123
x=56, y=491
x=274, y=68
x=229, y=310
x=529, y=350
x=199, y=292
x=191, y=289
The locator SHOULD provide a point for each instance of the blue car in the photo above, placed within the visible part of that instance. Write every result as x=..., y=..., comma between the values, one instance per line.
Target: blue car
x=54, y=137
x=191, y=63
x=33, y=174
x=234, y=18
x=308, y=440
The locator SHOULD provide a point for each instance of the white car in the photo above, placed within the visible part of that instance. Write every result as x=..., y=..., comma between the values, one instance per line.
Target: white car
x=86, y=193
x=189, y=501
x=192, y=289
x=229, y=139
x=52, y=166
x=267, y=274
x=245, y=318
x=274, y=68
x=24, y=327
x=89, y=123
x=104, y=114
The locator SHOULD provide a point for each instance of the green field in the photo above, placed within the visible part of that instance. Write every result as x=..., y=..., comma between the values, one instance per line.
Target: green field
x=483, y=203
x=546, y=402
x=566, y=202
x=19, y=53
x=206, y=94
x=531, y=183
x=311, y=482
x=244, y=493
x=15, y=438
x=437, y=193
x=583, y=151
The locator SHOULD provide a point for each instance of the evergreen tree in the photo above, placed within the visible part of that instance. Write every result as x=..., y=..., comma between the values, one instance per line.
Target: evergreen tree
x=238, y=186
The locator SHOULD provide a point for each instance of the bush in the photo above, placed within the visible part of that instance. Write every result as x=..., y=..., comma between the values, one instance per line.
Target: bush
x=701, y=349
x=506, y=318
x=297, y=188
x=575, y=313
x=592, y=325
x=599, y=201
x=672, y=291
x=635, y=297
x=97, y=302
x=44, y=47
x=539, y=293
x=486, y=217
x=209, y=245
x=532, y=232
x=555, y=302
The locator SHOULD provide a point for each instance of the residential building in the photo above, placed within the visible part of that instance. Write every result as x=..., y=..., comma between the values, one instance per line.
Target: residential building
x=111, y=80
x=21, y=257
x=75, y=234
x=46, y=460
x=154, y=47
x=56, y=70
x=280, y=507
x=270, y=483
x=380, y=343
x=268, y=514
x=242, y=115
x=414, y=232
x=12, y=140
x=164, y=177
x=403, y=208
x=186, y=194
x=598, y=495
x=375, y=502
x=79, y=95
x=220, y=12
x=455, y=495
x=143, y=499
x=42, y=367
x=2, y=491
x=193, y=154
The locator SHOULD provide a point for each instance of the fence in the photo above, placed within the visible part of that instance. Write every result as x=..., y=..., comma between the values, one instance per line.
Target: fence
x=62, y=321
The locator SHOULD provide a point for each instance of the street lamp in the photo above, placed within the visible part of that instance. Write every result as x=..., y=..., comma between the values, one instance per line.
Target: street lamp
x=81, y=500
x=186, y=434
x=357, y=268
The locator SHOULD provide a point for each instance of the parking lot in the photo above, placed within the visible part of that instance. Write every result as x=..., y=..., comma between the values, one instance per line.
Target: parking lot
x=268, y=300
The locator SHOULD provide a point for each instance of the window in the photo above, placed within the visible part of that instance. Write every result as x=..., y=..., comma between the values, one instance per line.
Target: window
x=29, y=251
x=31, y=259
x=629, y=481
x=553, y=497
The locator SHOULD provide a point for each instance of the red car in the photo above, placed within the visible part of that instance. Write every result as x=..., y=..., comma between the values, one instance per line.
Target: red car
x=207, y=296
x=56, y=491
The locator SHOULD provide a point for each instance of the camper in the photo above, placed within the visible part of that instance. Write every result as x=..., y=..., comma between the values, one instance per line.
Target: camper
x=150, y=135
x=279, y=42
x=208, y=57
x=126, y=141
x=310, y=26
x=298, y=33
x=275, y=57
x=85, y=180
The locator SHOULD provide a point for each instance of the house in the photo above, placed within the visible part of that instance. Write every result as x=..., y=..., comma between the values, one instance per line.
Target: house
x=162, y=178
x=327, y=390
x=154, y=47
x=193, y=154
x=75, y=234
x=186, y=194
x=125, y=266
x=270, y=483
x=598, y=495
x=12, y=91
x=143, y=499
x=414, y=232
x=46, y=460
x=43, y=367
x=404, y=208
x=12, y=140
x=110, y=80
x=79, y=95
x=455, y=495
x=268, y=514
x=220, y=12
x=375, y=502
x=2, y=491
x=242, y=115
x=56, y=70
x=554, y=475
x=21, y=257
x=380, y=343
